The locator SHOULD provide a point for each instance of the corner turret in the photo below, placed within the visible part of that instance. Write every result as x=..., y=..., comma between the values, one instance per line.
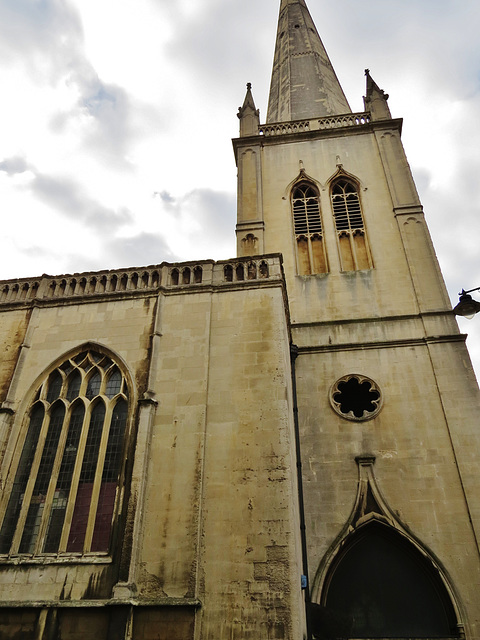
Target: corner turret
x=248, y=115
x=376, y=100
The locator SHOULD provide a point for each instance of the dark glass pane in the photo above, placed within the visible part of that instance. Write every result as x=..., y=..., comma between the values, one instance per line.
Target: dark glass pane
x=54, y=387
x=87, y=476
x=64, y=481
x=67, y=367
x=93, y=387
x=114, y=384
x=74, y=386
x=44, y=475
x=111, y=472
x=21, y=478
x=382, y=587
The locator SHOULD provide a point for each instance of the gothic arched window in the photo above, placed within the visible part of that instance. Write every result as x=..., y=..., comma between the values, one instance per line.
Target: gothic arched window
x=65, y=490
x=351, y=236
x=307, y=223
x=381, y=586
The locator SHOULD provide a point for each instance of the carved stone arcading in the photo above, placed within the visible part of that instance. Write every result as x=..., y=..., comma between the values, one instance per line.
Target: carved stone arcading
x=127, y=282
x=315, y=124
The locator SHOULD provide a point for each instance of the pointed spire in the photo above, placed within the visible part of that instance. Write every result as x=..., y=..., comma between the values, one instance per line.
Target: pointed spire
x=376, y=100
x=304, y=84
x=248, y=115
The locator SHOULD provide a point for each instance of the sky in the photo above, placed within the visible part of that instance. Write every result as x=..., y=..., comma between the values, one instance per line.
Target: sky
x=116, y=119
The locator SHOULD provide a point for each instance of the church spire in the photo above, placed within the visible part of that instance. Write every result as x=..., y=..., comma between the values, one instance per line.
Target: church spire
x=304, y=84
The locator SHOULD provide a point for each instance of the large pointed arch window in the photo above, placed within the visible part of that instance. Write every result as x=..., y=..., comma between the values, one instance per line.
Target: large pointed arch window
x=307, y=222
x=65, y=489
x=382, y=586
x=350, y=227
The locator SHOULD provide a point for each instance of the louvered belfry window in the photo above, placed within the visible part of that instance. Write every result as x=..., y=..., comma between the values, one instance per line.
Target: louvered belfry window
x=307, y=222
x=351, y=236
x=64, y=494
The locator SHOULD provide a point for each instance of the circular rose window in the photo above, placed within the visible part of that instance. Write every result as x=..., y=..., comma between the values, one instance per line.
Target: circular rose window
x=356, y=397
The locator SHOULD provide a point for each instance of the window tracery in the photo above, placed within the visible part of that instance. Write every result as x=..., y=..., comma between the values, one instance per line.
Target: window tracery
x=307, y=222
x=65, y=489
x=350, y=227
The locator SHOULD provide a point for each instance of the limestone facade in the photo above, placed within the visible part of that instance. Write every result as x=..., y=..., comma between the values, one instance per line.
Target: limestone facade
x=205, y=535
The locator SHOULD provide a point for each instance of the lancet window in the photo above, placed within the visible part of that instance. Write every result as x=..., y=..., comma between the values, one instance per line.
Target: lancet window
x=351, y=235
x=65, y=490
x=307, y=222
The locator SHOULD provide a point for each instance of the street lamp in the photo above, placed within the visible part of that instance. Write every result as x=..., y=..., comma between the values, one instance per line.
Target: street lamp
x=467, y=306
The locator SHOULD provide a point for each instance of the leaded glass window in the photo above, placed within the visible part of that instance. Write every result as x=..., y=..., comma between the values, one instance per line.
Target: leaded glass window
x=351, y=235
x=307, y=223
x=64, y=492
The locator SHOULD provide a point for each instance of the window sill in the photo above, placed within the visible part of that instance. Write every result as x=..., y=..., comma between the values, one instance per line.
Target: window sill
x=55, y=560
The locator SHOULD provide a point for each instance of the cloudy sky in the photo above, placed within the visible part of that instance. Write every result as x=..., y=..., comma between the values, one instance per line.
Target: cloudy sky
x=116, y=119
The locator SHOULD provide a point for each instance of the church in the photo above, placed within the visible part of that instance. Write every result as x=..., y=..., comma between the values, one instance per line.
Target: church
x=280, y=446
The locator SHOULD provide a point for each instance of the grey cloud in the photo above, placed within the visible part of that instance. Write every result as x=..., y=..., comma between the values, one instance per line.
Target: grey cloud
x=213, y=211
x=423, y=179
x=16, y=164
x=166, y=197
x=219, y=57
x=454, y=222
x=110, y=112
x=67, y=198
x=42, y=35
x=118, y=253
x=143, y=249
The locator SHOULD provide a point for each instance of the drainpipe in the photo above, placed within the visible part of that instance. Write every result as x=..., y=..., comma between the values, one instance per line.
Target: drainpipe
x=303, y=536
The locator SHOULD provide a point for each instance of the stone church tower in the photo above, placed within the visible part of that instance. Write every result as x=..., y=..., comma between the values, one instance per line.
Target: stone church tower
x=387, y=399
x=281, y=446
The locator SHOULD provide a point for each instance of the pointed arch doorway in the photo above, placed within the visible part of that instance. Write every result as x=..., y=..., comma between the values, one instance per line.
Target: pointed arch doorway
x=378, y=581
